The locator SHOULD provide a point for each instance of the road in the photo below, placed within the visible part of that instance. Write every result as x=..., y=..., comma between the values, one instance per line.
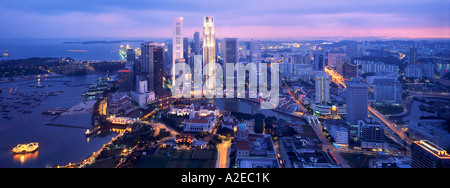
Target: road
x=161, y=126
x=326, y=145
x=223, y=151
x=391, y=125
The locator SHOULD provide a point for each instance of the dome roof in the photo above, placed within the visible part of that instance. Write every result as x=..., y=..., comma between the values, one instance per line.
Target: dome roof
x=242, y=127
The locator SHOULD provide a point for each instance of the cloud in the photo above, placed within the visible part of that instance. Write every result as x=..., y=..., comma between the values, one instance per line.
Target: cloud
x=145, y=18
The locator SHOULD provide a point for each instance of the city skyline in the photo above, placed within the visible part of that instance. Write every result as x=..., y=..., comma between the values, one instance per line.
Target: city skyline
x=265, y=19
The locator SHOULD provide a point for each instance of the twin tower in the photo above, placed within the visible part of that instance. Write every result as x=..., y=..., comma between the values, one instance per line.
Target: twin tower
x=207, y=76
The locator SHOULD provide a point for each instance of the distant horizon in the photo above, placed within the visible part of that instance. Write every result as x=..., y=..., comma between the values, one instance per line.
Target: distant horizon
x=331, y=38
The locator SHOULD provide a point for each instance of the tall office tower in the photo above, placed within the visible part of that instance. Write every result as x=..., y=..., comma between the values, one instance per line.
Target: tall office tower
x=322, y=88
x=231, y=50
x=186, y=47
x=197, y=46
x=209, y=49
x=230, y=47
x=413, y=56
x=319, y=62
x=131, y=57
x=357, y=100
x=255, y=52
x=125, y=81
x=177, y=41
x=425, y=154
x=152, y=62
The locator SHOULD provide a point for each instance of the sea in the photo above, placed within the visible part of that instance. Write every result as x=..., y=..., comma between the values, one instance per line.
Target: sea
x=59, y=48
x=57, y=145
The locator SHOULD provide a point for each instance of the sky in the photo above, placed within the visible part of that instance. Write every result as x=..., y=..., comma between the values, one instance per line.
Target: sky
x=265, y=19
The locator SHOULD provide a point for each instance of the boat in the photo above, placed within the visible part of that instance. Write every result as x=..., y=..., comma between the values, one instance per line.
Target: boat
x=4, y=54
x=26, y=148
x=50, y=85
x=40, y=86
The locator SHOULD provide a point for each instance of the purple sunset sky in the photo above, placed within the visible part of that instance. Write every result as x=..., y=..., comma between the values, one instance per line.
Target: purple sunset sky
x=233, y=18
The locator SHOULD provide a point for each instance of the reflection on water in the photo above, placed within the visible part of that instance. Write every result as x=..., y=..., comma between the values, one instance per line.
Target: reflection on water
x=25, y=157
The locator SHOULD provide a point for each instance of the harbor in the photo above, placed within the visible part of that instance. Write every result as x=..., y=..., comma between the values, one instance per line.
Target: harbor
x=55, y=116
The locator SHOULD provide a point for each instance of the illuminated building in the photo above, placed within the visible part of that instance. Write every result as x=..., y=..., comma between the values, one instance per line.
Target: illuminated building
x=338, y=130
x=425, y=154
x=177, y=40
x=357, y=100
x=322, y=88
x=209, y=49
x=349, y=70
x=336, y=60
x=117, y=102
x=152, y=62
x=254, y=150
x=371, y=135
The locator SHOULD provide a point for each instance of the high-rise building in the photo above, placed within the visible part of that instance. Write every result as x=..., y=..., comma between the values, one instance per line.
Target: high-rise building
x=322, y=88
x=255, y=52
x=425, y=154
x=357, y=100
x=428, y=69
x=209, y=49
x=413, y=71
x=413, y=56
x=387, y=89
x=177, y=40
x=231, y=50
x=186, y=47
x=230, y=47
x=197, y=47
x=319, y=61
x=153, y=66
x=349, y=70
x=125, y=81
x=131, y=57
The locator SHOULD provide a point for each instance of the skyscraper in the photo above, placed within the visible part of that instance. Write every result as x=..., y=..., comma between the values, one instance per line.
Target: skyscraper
x=255, y=52
x=231, y=50
x=197, y=43
x=177, y=40
x=357, y=100
x=322, y=88
x=319, y=61
x=209, y=49
x=413, y=56
x=152, y=61
x=230, y=54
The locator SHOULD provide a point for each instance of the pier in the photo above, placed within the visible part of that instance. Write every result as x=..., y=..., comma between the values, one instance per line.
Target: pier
x=70, y=126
